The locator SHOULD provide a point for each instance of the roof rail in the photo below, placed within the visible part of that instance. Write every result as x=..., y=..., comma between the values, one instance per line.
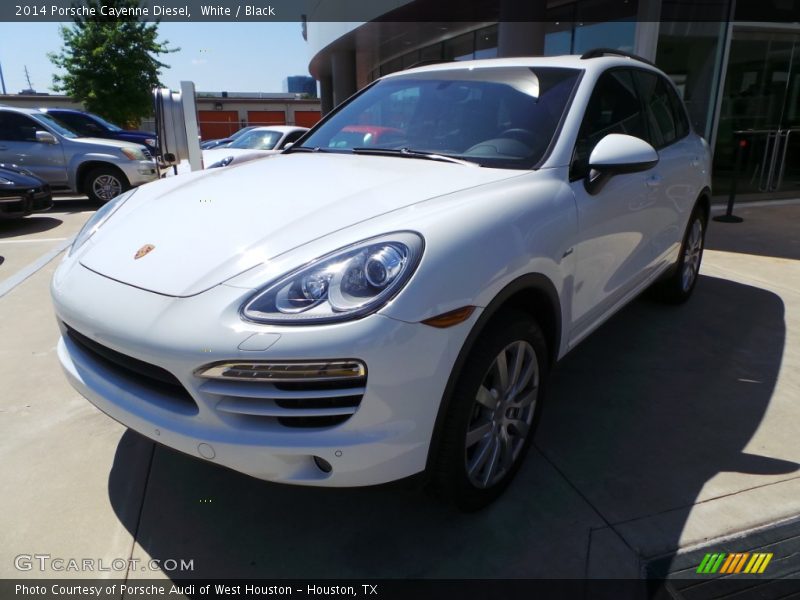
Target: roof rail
x=598, y=52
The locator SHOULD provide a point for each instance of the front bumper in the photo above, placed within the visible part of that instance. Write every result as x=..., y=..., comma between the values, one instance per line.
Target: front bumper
x=387, y=438
x=139, y=172
x=13, y=205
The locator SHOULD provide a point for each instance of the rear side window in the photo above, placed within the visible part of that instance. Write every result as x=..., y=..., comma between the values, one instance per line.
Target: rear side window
x=664, y=124
x=681, y=122
x=613, y=108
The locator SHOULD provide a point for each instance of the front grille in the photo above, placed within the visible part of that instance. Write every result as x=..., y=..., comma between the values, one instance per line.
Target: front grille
x=308, y=404
x=147, y=154
x=138, y=372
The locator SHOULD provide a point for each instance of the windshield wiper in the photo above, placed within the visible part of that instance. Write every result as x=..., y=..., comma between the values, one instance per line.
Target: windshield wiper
x=408, y=153
x=305, y=149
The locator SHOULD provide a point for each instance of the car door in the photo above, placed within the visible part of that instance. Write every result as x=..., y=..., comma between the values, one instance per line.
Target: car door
x=613, y=251
x=18, y=145
x=668, y=130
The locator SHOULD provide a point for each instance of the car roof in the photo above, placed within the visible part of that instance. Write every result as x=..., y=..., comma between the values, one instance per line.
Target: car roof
x=572, y=61
x=63, y=110
x=27, y=111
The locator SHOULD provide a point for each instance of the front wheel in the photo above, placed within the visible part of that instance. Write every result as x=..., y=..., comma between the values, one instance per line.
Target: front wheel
x=105, y=183
x=679, y=285
x=492, y=413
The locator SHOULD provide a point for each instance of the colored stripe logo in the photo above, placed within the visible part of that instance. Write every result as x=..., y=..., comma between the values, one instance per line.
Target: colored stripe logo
x=735, y=562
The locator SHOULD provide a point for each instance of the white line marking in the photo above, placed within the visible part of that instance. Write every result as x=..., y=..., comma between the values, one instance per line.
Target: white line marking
x=715, y=208
x=9, y=284
x=32, y=240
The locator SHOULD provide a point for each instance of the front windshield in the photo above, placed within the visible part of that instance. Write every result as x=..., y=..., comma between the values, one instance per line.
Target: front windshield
x=257, y=140
x=55, y=125
x=240, y=133
x=496, y=116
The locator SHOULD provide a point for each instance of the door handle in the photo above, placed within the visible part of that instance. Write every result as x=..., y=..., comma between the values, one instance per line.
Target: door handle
x=695, y=161
x=653, y=181
x=3, y=147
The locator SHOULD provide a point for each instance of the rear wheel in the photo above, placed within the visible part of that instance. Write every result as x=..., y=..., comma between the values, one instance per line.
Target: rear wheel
x=104, y=183
x=679, y=285
x=492, y=413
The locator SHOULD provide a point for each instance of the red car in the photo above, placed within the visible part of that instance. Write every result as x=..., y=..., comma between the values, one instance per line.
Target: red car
x=364, y=136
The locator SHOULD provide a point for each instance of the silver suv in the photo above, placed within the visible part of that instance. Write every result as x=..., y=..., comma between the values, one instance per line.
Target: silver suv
x=102, y=169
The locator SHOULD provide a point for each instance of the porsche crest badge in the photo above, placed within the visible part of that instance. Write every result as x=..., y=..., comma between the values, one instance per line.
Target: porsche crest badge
x=143, y=251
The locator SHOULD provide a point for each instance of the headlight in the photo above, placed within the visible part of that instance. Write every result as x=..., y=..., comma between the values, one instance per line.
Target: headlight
x=222, y=163
x=347, y=284
x=97, y=220
x=133, y=153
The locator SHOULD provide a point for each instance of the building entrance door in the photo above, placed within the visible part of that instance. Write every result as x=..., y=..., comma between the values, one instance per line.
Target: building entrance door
x=758, y=136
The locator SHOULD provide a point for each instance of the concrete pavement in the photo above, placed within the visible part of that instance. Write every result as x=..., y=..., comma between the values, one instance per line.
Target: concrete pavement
x=668, y=428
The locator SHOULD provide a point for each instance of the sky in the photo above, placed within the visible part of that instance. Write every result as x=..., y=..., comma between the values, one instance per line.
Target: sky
x=232, y=57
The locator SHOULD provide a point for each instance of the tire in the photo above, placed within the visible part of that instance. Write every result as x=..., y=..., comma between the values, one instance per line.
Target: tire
x=481, y=448
x=104, y=183
x=679, y=285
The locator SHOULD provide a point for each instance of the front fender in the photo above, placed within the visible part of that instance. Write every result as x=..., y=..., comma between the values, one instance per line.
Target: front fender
x=479, y=242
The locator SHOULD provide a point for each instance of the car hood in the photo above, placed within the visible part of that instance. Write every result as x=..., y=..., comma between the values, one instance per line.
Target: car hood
x=137, y=133
x=20, y=177
x=217, y=154
x=102, y=142
x=210, y=226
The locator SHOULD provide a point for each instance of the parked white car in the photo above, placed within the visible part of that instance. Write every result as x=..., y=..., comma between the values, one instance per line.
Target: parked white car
x=347, y=316
x=256, y=143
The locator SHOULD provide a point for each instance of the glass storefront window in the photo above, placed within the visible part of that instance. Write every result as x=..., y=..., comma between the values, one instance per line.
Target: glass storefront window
x=758, y=136
x=461, y=47
x=580, y=26
x=691, y=54
x=433, y=52
x=486, y=42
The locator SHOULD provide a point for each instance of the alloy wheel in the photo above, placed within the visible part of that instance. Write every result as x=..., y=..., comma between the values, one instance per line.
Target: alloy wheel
x=502, y=414
x=692, y=254
x=106, y=187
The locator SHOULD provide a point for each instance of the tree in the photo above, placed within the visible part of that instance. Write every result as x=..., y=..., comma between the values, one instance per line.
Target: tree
x=111, y=63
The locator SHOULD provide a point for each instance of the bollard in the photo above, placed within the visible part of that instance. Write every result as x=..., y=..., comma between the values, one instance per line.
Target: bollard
x=729, y=217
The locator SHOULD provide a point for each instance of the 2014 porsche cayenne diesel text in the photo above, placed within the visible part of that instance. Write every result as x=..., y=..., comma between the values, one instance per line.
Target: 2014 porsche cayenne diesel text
x=350, y=313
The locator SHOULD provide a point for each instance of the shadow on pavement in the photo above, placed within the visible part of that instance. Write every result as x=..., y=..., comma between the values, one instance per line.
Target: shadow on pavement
x=766, y=231
x=640, y=417
x=662, y=399
x=73, y=205
x=25, y=226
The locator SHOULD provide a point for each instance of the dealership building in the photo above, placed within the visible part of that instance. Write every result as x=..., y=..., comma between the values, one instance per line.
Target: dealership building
x=735, y=63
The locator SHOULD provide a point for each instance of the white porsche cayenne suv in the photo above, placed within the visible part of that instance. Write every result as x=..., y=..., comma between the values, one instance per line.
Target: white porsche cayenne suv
x=364, y=308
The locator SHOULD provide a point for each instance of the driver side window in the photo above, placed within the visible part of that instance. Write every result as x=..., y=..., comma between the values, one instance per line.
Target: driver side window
x=614, y=107
x=15, y=127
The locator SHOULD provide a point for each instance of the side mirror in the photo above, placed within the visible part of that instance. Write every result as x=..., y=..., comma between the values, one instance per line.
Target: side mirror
x=45, y=137
x=287, y=146
x=616, y=154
